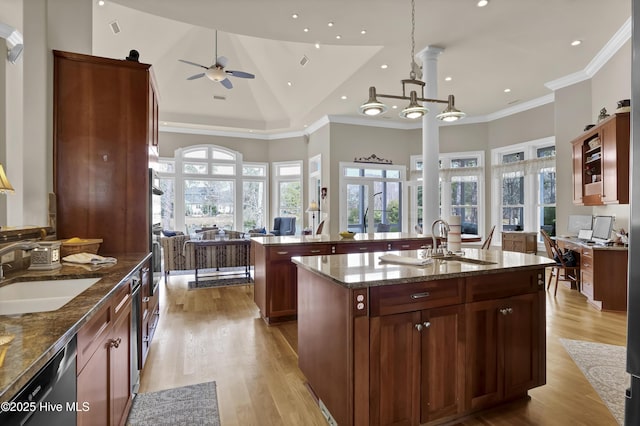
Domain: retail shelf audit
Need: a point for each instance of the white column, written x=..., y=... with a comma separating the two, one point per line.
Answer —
x=430, y=138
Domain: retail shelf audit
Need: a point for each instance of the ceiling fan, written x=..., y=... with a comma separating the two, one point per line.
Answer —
x=216, y=72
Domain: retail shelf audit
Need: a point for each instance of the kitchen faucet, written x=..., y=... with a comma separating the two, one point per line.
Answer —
x=433, y=234
x=20, y=245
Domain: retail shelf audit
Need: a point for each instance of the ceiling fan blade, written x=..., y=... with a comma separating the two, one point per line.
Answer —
x=226, y=83
x=193, y=63
x=222, y=61
x=193, y=77
x=241, y=74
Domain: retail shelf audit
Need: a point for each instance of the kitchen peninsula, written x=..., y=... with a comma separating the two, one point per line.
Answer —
x=275, y=275
x=384, y=343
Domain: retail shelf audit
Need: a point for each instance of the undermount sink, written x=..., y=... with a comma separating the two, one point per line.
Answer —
x=41, y=296
x=454, y=258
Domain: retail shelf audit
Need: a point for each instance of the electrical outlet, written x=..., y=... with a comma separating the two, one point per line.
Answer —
x=9, y=257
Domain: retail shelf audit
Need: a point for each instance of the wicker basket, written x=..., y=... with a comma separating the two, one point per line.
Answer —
x=82, y=246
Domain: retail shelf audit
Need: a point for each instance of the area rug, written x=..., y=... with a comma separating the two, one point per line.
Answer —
x=187, y=405
x=604, y=366
x=219, y=282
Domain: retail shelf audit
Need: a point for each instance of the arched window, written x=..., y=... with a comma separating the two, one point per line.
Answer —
x=208, y=185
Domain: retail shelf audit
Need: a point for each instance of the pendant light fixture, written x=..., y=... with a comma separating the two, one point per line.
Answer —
x=414, y=110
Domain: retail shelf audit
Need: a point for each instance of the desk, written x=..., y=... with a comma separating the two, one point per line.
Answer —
x=603, y=273
x=221, y=253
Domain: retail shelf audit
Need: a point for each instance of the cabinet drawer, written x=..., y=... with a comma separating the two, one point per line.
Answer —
x=586, y=260
x=287, y=252
x=586, y=283
x=410, y=245
x=121, y=298
x=92, y=334
x=497, y=286
x=392, y=299
x=361, y=247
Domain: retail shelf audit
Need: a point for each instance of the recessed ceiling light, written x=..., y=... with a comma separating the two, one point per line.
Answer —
x=576, y=42
x=289, y=83
x=363, y=32
x=306, y=30
x=395, y=107
x=338, y=37
x=330, y=24
x=483, y=3
x=101, y=2
x=384, y=66
x=448, y=78
x=317, y=45
x=343, y=97
x=305, y=126
x=507, y=90
x=164, y=123
x=295, y=16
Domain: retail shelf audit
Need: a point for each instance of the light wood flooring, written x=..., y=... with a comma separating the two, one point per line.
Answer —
x=217, y=334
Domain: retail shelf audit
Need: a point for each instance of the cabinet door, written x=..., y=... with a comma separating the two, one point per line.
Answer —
x=282, y=297
x=484, y=384
x=93, y=387
x=519, y=326
x=395, y=369
x=120, y=356
x=442, y=378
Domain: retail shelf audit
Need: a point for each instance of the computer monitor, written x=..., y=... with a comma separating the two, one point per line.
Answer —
x=602, y=227
x=578, y=222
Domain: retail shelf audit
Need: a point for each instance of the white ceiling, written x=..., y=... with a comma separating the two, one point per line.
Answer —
x=517, y=44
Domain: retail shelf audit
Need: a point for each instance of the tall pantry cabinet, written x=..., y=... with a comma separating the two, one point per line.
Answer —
x=105, y=137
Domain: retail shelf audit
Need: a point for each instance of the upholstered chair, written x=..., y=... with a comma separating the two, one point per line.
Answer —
x=284, y=226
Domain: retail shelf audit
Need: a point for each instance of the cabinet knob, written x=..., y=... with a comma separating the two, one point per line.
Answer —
x=145, y=299
x=426, y=324
x=418, y=327
x=115, y=343
x=504, y=311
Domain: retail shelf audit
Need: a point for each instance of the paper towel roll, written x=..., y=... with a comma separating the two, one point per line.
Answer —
x=455, y=220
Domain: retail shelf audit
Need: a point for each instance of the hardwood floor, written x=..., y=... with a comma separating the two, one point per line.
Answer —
x=217, y=334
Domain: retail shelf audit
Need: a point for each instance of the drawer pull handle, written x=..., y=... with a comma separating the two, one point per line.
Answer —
x=405, y=246
x=315, y=251
x=283, y=252
x=362, y=248
x=415, y=296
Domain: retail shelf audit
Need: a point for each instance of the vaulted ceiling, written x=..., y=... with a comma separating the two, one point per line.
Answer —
x=509, y=44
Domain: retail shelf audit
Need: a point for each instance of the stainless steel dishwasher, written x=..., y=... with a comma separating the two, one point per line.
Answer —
x=49, y=399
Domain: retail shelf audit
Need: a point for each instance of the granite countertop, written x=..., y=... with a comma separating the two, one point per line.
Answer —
x=273, y=240
x=38, y=336
x=361, y=270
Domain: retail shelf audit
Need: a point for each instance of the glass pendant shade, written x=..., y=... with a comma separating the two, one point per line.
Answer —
x=414, y=110
x=372, y=107
x=450, y=113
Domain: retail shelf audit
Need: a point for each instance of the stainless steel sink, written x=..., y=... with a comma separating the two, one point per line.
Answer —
x=454, y=258
x=41, y=296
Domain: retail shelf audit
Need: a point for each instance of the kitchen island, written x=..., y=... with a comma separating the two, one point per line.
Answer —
x=275, y=275
x=384, y=343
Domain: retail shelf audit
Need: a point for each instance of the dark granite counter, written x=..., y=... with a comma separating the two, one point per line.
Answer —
x=359, y=270
x=38, y=336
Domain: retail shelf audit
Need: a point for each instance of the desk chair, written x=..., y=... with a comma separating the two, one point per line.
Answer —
x=561, y=270
x=487, y=242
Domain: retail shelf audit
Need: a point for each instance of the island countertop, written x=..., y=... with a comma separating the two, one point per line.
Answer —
x=360, y=270
x=273, y=240
x=38, y=336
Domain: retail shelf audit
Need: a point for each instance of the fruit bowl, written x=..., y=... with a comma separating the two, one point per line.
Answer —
x=347, y=234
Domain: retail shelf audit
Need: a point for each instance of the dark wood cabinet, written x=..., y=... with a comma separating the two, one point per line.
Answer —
x=105, y=135
x=601, y=163
x=103, y=363
x=149, y=312
x=504, y=349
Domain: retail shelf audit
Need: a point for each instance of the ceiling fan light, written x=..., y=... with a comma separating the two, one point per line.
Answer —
x=414, y=110
x=216, y=74
x=372, y=107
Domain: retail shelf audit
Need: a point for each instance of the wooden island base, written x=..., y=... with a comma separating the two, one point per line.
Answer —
x=421, y=352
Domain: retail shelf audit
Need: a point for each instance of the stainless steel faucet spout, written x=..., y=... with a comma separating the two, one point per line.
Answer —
x=445, y=225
